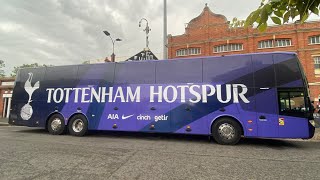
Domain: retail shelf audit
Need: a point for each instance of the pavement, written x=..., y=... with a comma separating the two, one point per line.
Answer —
x=32, y=153
x=4, y=122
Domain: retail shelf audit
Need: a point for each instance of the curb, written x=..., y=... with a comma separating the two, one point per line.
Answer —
x=4, y=124
x=315, y=137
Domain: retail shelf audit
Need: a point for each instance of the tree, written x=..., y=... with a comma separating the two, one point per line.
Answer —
x=86, y=62
x=16, y=68
x=280, y=11
x=236, y=23
x=2, y=65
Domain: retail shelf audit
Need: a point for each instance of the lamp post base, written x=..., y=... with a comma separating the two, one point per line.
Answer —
x=113, y=57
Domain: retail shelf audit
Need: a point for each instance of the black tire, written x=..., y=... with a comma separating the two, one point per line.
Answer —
x=78, y=125
x=229, y=133
x=56, y=125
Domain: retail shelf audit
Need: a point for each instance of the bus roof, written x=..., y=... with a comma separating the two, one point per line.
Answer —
x=189, y=58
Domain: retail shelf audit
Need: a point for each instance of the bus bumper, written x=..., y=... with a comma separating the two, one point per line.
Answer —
x=12, y=119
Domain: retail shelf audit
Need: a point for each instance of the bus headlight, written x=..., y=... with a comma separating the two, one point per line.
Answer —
x=312, y=122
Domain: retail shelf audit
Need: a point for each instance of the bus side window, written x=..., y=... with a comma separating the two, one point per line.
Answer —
x=235, y=69
x=264, y=71
x=291, y=103
x=94, y=74
x=135, y=73
x=55, y=75
x=287, y=71
x=179, y=71
x=284, y=101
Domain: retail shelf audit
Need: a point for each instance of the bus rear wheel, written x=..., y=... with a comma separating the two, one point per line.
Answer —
x=56, y=124
x=226, y=131
x=78, y=125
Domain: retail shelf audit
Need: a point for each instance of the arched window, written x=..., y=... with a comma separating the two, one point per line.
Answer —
x=228, y=48
x=188, y=51
x=316, y=60
x=314, y=39
x=283, y=42
x=270, y=43
x=265, y=44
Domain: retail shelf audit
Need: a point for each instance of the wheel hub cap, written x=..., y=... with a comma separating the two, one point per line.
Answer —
x=77, y=125
x=226, y=131
x=56, y=124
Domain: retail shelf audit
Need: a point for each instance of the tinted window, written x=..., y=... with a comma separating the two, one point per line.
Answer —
x=179, y=71
x=287, y=71
x=61, y=73
x=135, y=73
x=264, y=70
x=61, y=76
x=93, y=74
x=292, y=103
x=229, y=69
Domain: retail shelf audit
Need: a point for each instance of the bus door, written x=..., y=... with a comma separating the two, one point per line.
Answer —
x=292, y=113
x=267, y=115
x=265, y=95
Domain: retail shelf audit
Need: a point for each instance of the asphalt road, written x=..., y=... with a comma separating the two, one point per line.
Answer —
x=28, y=153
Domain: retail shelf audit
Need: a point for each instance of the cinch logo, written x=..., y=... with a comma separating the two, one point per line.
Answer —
x=26, y=110
x=156, y=118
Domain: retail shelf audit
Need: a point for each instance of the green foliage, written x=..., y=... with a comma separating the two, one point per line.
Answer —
x=2, y=65
x=280, y=11
x=237, y=23
x=34, y=65
x=86, y=62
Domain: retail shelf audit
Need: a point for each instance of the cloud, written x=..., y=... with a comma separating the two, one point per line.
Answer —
x=69, y=32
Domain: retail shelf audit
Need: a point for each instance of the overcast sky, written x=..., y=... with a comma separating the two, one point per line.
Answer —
x=62, y=32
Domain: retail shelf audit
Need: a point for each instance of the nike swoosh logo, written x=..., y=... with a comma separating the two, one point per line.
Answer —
x=126, y=117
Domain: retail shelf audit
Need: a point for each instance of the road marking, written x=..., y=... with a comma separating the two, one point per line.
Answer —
x=126, y=117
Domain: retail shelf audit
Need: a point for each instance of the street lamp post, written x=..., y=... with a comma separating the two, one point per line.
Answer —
x=113, y=56
x=165, y=40
x=147, y=30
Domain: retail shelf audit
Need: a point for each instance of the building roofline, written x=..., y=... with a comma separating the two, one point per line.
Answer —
x=206, y=8
x=266, y=32
x=231, y=55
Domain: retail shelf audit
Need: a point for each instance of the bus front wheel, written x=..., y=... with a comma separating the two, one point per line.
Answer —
x=78, y=125
x=226, y=131
x=56, y=125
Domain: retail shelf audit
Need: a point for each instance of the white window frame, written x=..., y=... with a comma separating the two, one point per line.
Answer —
x=188, y=52
x=181, y=52
x=194, y=51
x=316, y=60
x=228, y=48
x=314, y=39
x=283, y=42
x=264, y=44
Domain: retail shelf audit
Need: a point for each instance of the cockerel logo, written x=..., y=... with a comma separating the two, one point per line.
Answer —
x=27, y=111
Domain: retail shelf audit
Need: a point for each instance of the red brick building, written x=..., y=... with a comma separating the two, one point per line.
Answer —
x=6, y=87
x=209, y=34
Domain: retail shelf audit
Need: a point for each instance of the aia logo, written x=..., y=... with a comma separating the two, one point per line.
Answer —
x=26, y=110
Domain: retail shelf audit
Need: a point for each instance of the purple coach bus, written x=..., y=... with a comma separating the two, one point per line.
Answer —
x=251, y=95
